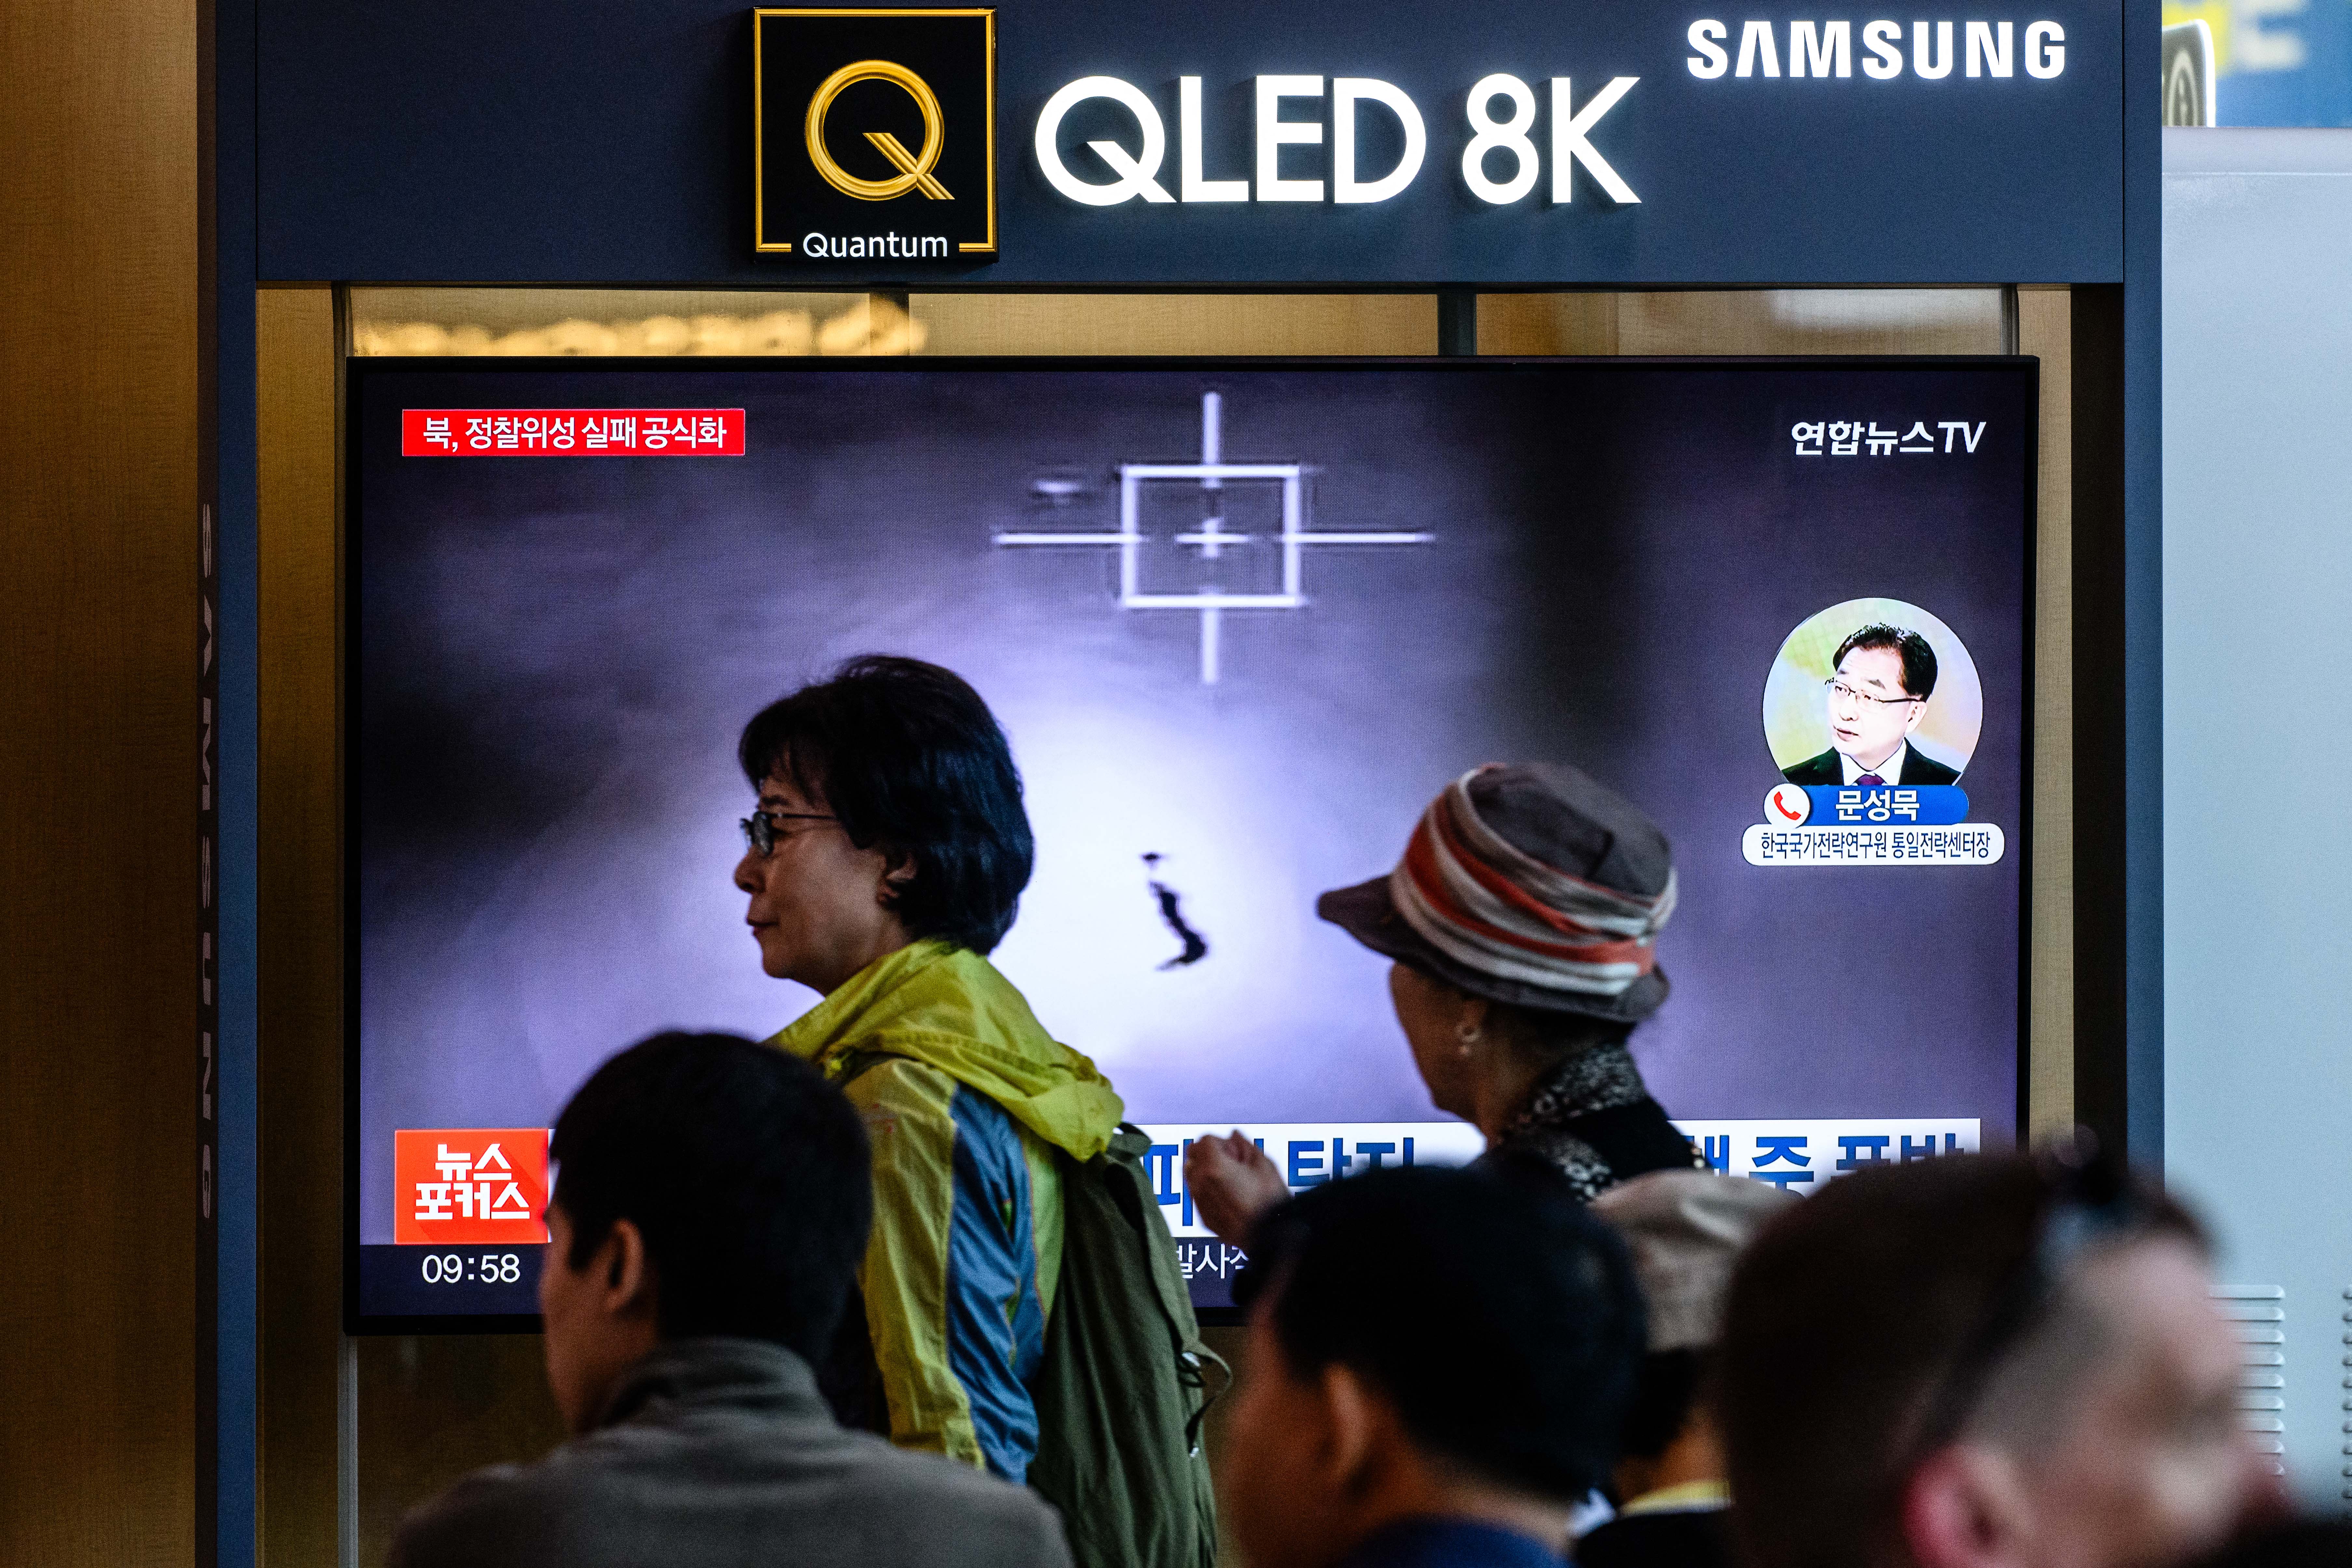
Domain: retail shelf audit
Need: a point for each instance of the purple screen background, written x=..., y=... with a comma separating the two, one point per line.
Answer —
x=552, y=658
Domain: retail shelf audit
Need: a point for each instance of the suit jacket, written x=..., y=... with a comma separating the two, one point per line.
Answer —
x=1683, y=1538
x=1439, y=1542
x=1918, y=768
x=718, y=1453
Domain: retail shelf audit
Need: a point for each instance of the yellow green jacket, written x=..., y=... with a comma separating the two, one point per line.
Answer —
x=967, y=1243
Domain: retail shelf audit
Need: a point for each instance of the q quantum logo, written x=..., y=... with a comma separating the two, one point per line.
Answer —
x=874, y=134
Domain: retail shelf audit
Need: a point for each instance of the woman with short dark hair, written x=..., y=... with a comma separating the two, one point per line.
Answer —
x=884, y=861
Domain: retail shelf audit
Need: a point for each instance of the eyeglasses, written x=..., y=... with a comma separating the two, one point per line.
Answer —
x=2088, y=1199
x=760, y=828
x=1840, y=688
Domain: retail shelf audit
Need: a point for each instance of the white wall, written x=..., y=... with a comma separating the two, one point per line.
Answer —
x=2257, y=754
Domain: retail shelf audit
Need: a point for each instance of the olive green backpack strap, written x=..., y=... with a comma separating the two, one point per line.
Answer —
x=1122, y=1388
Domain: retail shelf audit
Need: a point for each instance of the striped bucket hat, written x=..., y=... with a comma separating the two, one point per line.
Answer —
x=1526, y=884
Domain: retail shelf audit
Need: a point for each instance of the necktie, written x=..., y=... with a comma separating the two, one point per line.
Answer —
x=1871, y=781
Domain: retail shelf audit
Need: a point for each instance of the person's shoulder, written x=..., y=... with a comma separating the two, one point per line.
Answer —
x=944, y=1512
x=848, y=1497
x=1821, y=770
x=893, y=1086
x=1919, y=768
x=509, y=1515
x=557, y=1509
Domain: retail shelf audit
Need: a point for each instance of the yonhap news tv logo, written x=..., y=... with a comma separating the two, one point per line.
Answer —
x=874, y=133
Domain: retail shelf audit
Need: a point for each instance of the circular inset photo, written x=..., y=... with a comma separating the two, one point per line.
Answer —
x=1873, y=691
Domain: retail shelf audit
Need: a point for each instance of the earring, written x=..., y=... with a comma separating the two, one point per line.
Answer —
x=1468, y=1034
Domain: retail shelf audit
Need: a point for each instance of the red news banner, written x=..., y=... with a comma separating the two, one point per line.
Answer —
x=571, y=432
x=469, y=1184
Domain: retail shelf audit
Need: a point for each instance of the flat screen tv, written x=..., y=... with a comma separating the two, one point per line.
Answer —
x=1241, y=620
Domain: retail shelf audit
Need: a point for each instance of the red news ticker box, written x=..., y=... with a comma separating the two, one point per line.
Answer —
x=466, y=1184
x=571, y=432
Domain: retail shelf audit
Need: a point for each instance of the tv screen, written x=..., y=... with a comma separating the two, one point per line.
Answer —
x=1241, y=621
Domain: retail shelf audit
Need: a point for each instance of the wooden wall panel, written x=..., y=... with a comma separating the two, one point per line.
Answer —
x=1744, y=321
x=300, y=926
x=99, y=781
x=628, y=322
x=2044, y=329
x=1177, y=323
x=1548, y=323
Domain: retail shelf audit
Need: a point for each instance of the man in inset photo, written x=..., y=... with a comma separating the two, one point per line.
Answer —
x=1877, y=698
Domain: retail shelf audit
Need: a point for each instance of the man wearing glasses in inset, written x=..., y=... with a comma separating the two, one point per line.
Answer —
x=1877, y=698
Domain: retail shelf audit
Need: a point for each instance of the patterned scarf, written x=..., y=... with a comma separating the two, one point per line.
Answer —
x=1599, y=1079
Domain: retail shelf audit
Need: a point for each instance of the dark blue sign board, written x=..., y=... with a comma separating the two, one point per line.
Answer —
x=1197, y=145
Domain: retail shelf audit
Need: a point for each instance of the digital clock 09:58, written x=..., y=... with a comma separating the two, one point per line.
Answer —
x=482, y=1267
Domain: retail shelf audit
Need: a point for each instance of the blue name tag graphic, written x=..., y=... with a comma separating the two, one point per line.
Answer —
x=1925, y=805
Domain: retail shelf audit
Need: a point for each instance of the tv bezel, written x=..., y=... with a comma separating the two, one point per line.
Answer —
x=359, y=370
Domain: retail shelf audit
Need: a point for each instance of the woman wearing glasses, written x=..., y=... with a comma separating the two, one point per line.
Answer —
x=884, y=859
x=1877, y=698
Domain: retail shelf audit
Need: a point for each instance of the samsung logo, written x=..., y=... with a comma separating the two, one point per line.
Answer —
x=1828, y=49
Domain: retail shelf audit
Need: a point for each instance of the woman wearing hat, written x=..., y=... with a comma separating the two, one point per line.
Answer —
x=1522, y=922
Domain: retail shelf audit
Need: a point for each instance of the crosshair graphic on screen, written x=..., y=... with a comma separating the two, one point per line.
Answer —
x=1212, y=539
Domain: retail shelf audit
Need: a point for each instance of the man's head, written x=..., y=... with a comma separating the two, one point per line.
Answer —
x=1426, y=1342
x=704, y=1185
x=1884, y=676
x=1983, y=1363
x=891, y=812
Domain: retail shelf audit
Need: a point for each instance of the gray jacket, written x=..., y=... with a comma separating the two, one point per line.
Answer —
x=720, y=1453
